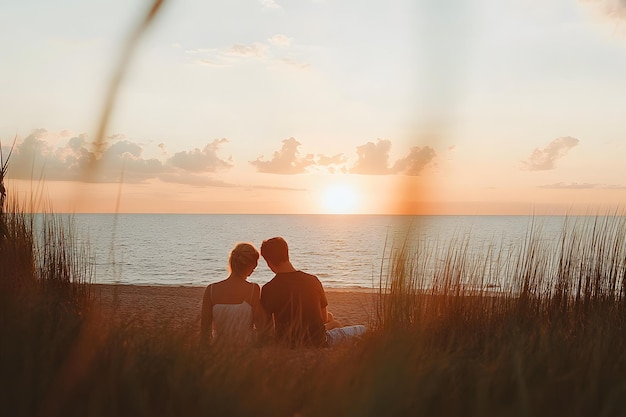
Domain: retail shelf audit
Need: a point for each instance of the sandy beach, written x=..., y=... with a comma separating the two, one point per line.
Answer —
x=180, y=305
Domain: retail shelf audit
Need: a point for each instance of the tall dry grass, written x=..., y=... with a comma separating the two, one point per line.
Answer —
x=585, y=269
x=44, y=297
x=549, y=340
x=447, y=341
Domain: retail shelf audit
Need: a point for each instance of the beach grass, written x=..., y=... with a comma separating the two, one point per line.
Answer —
x=548, y=340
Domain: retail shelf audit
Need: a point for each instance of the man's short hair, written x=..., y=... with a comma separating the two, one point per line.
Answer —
x=275, y=250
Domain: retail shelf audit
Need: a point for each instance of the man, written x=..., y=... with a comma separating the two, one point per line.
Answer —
x=294, y=299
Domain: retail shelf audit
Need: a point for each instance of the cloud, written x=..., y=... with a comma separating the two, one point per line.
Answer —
x=415, y=162
x=373, y=158
x=29, y=155
x=294, y=64
x=269, y=4
x=331, y=160
x=205, y=160
x=125, y=157
x=34, y=158
x=581, y=186
x=206, y=62
x=194, y=179
x=334, y=164
x=610, y=13
x=614, y=9
x=275, y=53
x=545, y=159
x=228, y=56
x=280, y=40
x=569, y=186
x=286, y=161
x=204, y=181
x=253, y=50
x=272, y=187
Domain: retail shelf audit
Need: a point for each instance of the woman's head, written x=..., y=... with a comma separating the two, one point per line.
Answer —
x=243, y=259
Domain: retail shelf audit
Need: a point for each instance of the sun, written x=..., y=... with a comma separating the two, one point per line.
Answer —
x=340, y=199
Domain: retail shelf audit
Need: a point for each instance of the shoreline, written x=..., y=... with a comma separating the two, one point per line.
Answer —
x=182, y=304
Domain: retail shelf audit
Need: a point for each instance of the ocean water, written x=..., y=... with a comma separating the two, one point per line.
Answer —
x=344, y=251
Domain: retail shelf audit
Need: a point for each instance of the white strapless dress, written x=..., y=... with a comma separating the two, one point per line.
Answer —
x=233, y=322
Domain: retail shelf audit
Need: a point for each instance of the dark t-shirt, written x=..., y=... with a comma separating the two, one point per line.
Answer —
x=296, y=300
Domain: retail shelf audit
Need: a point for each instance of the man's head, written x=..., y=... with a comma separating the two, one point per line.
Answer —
x=275, y=251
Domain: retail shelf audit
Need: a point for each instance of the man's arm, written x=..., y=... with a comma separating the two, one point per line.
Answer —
x=265, y=327
x=323, y=301
x=325, y=315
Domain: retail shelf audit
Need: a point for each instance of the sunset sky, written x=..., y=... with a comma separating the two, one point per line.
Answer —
x=318, y=106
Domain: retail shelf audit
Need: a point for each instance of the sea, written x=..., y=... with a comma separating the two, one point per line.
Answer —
x=343, y=251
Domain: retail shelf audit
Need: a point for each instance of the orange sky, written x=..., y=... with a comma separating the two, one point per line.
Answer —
x=508, y=107
x=400, y=199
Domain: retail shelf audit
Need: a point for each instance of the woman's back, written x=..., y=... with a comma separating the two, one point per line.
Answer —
x=233, y=321
x=232, y=310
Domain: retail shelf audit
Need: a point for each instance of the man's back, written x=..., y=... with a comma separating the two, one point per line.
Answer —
x=296, y=300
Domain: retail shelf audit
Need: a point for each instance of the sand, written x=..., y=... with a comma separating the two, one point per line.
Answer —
x=180, y=305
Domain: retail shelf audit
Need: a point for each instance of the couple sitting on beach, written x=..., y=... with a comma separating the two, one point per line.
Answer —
x=293, y=304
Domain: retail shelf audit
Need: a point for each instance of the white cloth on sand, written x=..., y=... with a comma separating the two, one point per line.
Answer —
x=342, y=334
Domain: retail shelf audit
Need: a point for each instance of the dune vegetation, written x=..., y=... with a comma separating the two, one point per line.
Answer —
x=443, y=341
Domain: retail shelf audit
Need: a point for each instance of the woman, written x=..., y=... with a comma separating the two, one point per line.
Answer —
x=231, y=309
